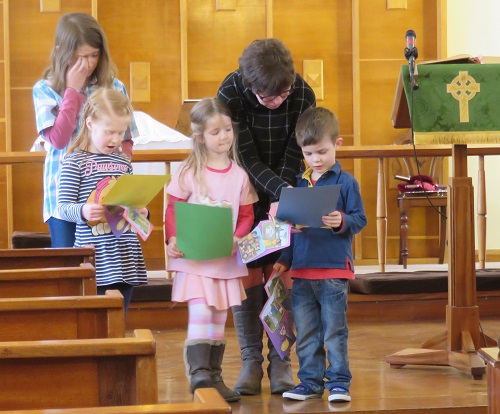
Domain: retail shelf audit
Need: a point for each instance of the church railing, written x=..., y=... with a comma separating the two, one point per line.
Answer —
x=378, y=152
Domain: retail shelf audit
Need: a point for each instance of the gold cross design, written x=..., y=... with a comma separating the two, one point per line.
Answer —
x=463, y=88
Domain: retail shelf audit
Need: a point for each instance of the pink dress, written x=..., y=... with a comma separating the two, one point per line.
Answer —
x=219, y=281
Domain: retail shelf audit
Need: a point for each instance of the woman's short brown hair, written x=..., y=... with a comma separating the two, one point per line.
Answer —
x=267, y=67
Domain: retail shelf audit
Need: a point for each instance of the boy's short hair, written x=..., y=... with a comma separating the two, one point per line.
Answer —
x=266, y=66
x=314, y=124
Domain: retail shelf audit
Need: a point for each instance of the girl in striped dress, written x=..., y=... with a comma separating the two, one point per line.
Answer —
x=94, y=162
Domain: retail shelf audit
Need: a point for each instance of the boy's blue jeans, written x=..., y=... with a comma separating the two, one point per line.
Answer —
x=319, y=310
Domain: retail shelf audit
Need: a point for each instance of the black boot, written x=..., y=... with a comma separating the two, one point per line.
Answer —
x=197, y=358
x=249, y=330
x=216, y=357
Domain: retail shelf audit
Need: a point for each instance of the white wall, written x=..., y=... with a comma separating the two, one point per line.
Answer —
x=473, y=29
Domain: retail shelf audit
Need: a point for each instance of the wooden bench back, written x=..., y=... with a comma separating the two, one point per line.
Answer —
x=39, y=258
x=58, y=281
x=67, y=317
x=206, y=401
x=79, y=372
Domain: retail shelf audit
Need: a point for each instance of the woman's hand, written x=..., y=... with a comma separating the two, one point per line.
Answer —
x=172, y=250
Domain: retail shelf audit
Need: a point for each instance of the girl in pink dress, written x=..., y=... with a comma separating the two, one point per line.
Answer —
x=210, y=176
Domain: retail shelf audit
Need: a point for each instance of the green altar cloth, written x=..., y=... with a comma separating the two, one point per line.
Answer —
x=455, y=103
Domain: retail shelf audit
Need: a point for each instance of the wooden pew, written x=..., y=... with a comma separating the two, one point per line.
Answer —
x=206, y=401
x=68, y=317
x=57, y=281
x=39, y=258
x=79, y=372
x=492, y=358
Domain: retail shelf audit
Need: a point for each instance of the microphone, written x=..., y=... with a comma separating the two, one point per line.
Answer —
x=411, y=54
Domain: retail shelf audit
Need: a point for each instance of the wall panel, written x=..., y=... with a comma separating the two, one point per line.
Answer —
x=4, y=170
x=216, y=40
x=32, y=36
x=27, y=193
x=381, y=43
x=23, y=119
x=147, y=31
x=2, y=102
x=321, y=30
x=383, y=31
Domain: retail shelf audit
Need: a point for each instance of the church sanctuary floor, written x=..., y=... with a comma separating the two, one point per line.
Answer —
x=376, y=387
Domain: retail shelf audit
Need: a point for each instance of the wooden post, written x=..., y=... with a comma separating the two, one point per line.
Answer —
x=481, y=213
x=381, y=215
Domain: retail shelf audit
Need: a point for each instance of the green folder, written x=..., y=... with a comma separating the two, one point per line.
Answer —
x=203, y=232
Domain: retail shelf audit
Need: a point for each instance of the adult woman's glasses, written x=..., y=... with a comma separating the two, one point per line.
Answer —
x=268, y=99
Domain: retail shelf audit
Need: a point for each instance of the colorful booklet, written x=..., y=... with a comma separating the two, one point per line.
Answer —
x=267, y=237
x=276, y=316
x=123, y=197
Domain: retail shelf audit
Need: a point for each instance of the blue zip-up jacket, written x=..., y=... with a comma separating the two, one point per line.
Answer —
x=326, y=247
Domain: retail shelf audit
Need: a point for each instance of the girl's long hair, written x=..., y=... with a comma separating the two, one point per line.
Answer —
x=101, y=104
x=73, y=31
x=201, y=112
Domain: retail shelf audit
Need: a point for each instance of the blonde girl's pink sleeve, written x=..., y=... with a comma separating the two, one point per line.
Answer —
x=248, y=193
x=174, y=187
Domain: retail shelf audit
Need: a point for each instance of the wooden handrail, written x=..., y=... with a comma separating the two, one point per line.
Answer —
x=344, y=152
x=379, y=152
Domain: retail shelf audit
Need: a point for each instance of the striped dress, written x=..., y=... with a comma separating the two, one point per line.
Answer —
x=86, y=178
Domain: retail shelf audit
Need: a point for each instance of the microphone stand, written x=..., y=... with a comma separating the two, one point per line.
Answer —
x=411, y=55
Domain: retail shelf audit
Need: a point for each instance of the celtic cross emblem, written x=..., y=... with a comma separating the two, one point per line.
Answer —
x=463, y=88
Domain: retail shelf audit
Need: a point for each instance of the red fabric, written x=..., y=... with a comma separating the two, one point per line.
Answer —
x=170, y=217
x=245, y=221
x=322, y=274
x=59, y=134
x=127, y=148
x=418, y=183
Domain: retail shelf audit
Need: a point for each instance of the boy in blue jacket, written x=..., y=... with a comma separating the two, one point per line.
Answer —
x=321, y=265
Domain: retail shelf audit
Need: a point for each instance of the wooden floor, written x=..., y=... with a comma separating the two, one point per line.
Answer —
x=376, y=388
